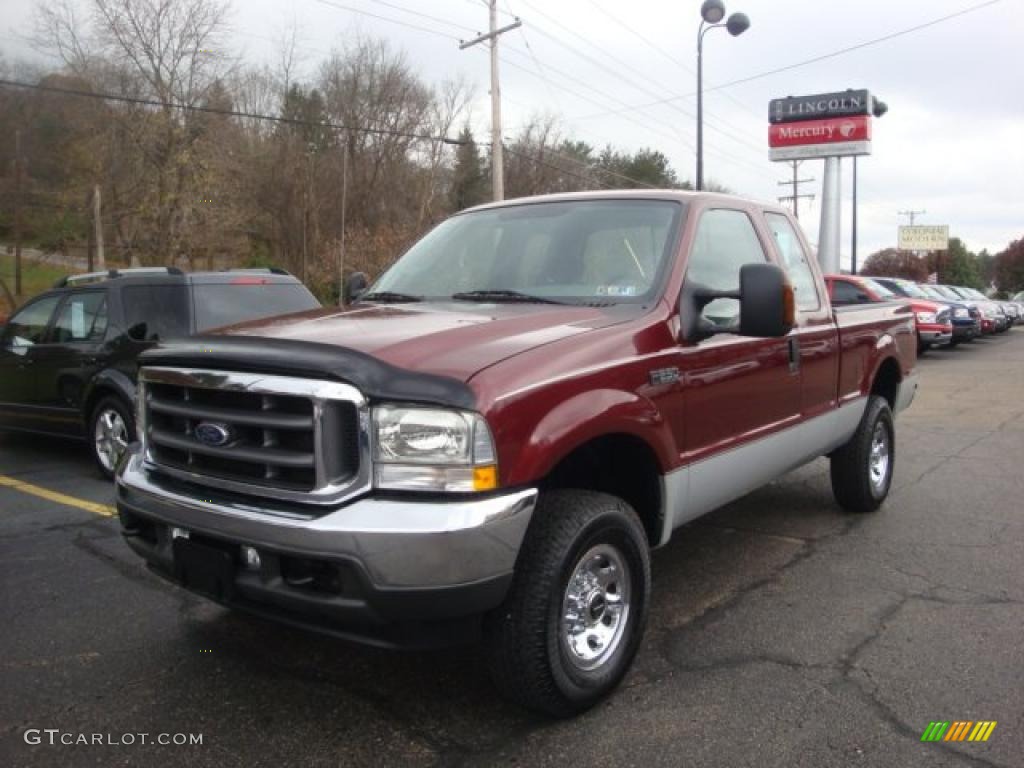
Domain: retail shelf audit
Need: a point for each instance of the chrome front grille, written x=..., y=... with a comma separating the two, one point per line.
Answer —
x=943, y=316
x=288, y=438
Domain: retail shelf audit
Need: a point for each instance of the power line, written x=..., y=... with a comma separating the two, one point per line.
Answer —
x=678, y=62
x=225, y=112
x=824, y=56
x=427, y=16
x=617, y=73
x=387, y=19
x=288, y=121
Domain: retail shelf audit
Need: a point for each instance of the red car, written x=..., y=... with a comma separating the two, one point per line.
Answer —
x=933, y=320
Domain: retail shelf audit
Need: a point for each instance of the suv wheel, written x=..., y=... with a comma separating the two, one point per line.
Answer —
x=862, y=469
x=111, y=429
x=575, y=614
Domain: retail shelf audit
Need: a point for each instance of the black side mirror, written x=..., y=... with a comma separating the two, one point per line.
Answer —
x=767, y=302
x=355, y=286
x=767, y=305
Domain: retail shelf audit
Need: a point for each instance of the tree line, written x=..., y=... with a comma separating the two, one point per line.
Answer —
x=208, y=162
x=955, y=266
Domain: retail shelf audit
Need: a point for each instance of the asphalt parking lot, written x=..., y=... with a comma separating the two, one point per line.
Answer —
x=783, y=633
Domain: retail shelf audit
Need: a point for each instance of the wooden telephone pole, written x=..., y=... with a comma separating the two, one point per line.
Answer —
x=796, y=182
x=19, y=190
x=497, y=150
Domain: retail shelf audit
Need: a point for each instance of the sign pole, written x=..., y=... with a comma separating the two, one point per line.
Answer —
x=828, y=233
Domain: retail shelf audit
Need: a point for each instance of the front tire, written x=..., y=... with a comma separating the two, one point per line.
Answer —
x=574, y=617
x=111, y=429
x=862, y=469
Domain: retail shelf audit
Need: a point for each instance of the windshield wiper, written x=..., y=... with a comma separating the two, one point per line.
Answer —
x=389, y=297
x=502, y=295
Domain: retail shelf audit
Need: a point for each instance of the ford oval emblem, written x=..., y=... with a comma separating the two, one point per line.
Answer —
x=212, y=433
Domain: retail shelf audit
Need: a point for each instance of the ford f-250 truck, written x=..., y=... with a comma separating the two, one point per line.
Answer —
x=488, y=442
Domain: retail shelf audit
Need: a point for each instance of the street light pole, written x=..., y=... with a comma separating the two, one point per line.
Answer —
x=712, y=12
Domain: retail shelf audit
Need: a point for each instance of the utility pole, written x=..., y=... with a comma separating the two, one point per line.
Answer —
x=497, y=153
x=97, y=223
x=912, y=215
x=18, y=191
x=344, y=208
x=796, y=182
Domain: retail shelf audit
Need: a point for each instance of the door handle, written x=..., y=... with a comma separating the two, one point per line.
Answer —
x=794, y=354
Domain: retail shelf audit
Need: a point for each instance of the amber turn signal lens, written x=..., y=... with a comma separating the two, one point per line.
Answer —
x=789, y=305
x=485, y=478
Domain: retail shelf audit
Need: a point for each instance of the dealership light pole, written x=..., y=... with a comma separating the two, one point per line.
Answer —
x=712, y=12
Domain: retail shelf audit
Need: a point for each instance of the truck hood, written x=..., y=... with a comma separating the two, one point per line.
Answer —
x=451, y=339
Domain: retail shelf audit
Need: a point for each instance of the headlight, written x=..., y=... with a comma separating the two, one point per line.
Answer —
x=926, y=317
x=962, y=312
x=432, y=449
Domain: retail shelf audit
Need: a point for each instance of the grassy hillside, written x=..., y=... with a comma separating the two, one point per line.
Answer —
x=36, y=277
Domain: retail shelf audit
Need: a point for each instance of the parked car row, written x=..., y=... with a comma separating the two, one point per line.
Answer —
x=943, y=314
x=68, y=358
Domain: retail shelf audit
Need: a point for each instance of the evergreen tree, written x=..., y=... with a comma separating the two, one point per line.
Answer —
x=469, y=182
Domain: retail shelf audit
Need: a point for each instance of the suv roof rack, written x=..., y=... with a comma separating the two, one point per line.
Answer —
x=111, y=274
x=259, y=270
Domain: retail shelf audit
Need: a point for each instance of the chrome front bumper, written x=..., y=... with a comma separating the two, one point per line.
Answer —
x=395, y=565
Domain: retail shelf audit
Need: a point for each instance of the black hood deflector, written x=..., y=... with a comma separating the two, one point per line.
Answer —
x=377, y=380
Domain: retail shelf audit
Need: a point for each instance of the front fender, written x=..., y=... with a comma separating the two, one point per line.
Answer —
x=109, y=380
x=587, y=416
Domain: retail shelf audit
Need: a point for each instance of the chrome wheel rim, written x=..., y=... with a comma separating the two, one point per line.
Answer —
x=595, y=608
x=880, y=457
x=110, y=438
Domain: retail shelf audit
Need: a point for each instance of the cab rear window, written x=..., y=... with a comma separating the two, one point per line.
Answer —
x=246, y=299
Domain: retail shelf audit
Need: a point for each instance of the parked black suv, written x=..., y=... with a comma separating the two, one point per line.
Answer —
x=68, y=357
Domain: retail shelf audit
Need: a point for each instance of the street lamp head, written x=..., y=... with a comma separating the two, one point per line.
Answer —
x=712, y=11
x=879, y=108
x=737, y=24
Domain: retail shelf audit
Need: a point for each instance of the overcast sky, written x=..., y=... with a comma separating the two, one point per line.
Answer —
x=952, y=143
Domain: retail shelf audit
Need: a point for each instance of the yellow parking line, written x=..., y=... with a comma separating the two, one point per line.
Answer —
x=45, y=493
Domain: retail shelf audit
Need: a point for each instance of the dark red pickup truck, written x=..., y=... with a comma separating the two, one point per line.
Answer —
x=488, y=443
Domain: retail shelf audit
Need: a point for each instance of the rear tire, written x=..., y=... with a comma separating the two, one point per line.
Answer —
x=572, y=622
x=111, y=429
x=862, y=469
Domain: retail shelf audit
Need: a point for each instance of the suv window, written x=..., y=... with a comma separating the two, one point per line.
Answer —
x=794, y=259
x=28, y=327
x=847, y=293
x=82, y=317
x=155, y=312
x=725, y=241
x=243, y=299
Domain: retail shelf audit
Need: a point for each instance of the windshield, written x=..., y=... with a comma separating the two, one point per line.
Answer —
x=244, y=299
x=932, y=292
x=576, y=251
x=910, y=289
x=878, y=289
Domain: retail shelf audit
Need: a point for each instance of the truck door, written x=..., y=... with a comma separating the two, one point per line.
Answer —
x=737, y=389
x=816, y=337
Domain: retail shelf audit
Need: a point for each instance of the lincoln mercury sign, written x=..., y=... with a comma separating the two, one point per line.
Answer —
x=923, y=238
x=823, y=125
x=841, y=104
